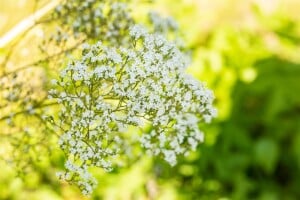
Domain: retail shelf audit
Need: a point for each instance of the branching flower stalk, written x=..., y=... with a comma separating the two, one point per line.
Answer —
x=127, y=76
x=139, y=84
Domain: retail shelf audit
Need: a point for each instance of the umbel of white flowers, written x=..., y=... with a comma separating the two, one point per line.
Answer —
x=109, y=89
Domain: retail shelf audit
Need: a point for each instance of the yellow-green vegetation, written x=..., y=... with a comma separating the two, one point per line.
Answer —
x=248, y=54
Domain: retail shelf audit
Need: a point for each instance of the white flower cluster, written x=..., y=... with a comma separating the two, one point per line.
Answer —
x=167, y=27
x=94, y=18
x=86, y=183
x=111, y=88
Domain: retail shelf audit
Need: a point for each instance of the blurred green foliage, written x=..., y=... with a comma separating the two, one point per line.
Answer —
x=256, y=154
x=252, y=151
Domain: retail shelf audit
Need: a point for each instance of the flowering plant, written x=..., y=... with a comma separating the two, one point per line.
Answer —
x=124, y=84
x=141, y=84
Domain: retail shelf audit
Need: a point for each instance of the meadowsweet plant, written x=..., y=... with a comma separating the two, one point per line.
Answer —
x=126, y=76
x=111, y=88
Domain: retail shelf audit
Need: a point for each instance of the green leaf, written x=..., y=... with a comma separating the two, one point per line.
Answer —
x=266, y=154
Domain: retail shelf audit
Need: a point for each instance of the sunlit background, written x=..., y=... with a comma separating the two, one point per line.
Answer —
x=248, y=53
